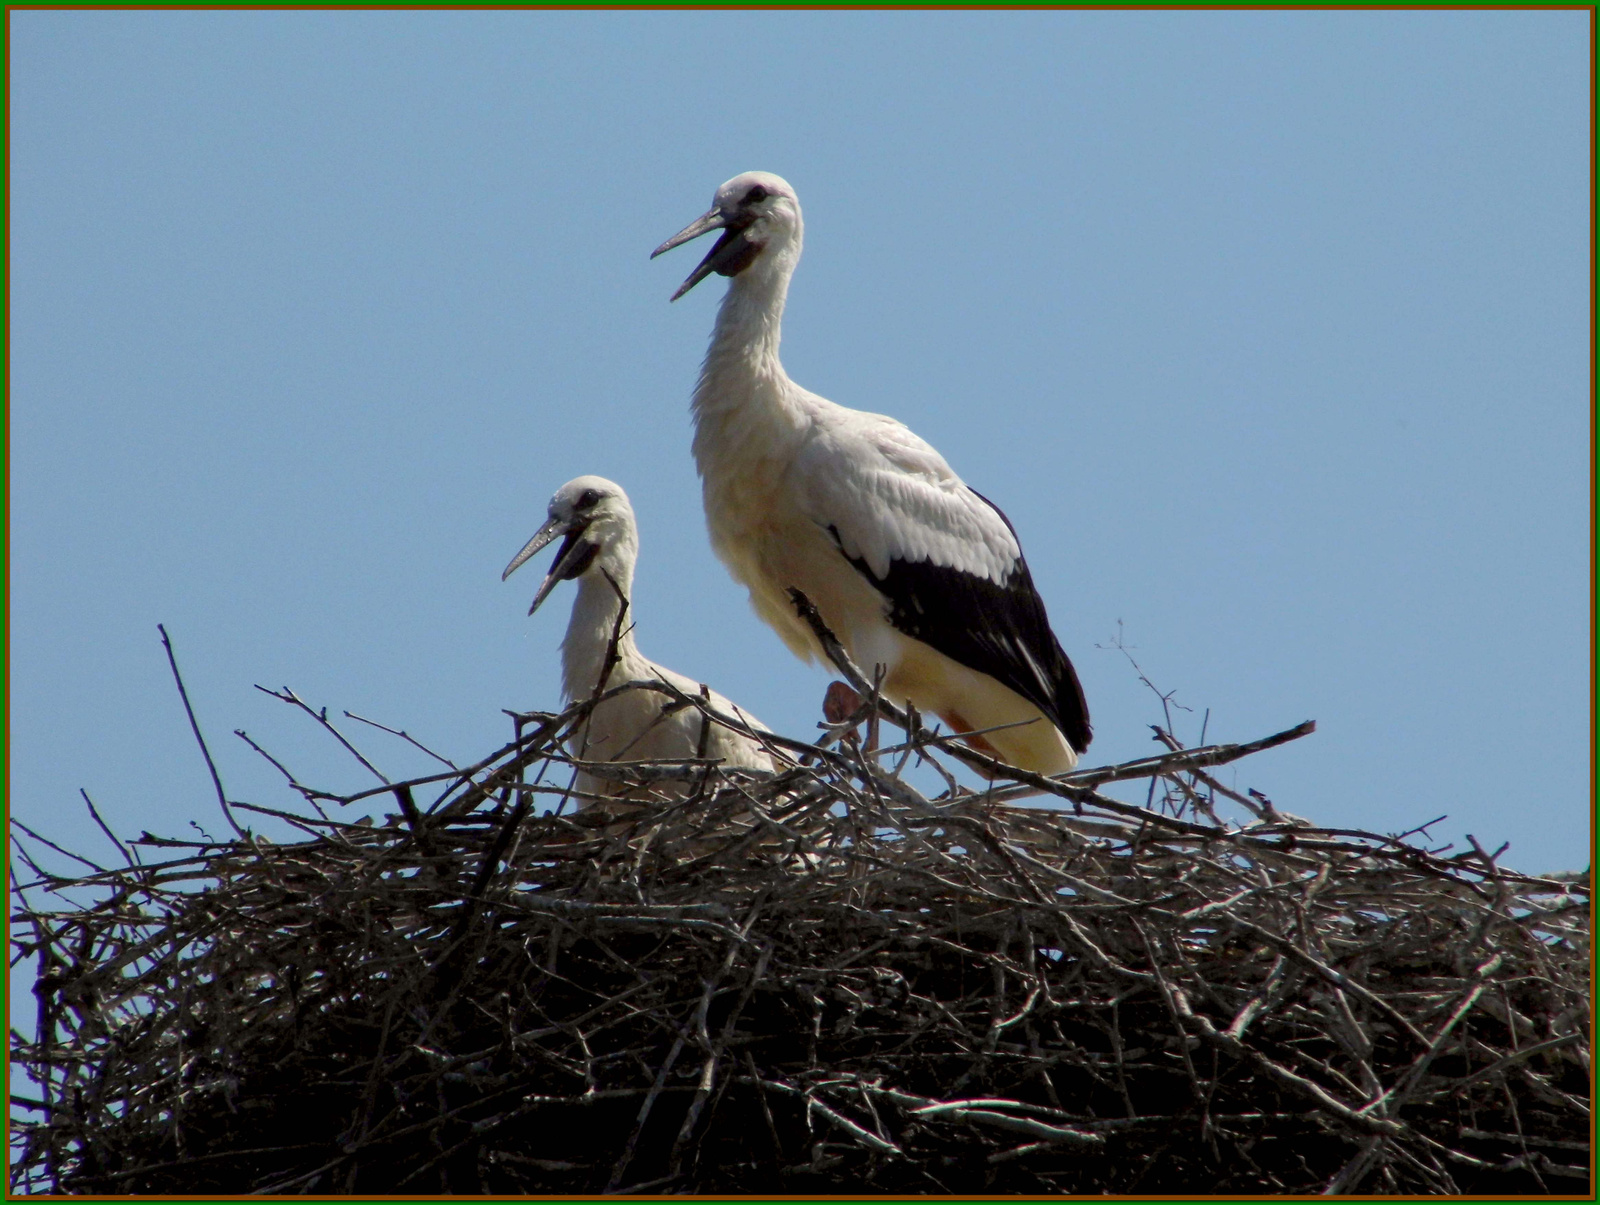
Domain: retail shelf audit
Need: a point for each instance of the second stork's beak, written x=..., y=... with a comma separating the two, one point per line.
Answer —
x=730, y=249
x=572, y=559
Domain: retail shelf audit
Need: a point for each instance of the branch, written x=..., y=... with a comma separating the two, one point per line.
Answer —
x=216, y=778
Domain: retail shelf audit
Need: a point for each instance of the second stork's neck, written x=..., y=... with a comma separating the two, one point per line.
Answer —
x=595, y=623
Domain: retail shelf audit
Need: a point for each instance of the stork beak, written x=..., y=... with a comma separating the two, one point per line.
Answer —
x=732, y=253
x=711, y=219
x=572, y=559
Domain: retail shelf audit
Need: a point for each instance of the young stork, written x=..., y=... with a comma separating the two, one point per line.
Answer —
x=600, y=548
x=910, y=567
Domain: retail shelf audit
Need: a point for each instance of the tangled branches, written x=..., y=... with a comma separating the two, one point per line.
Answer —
x=827, y=980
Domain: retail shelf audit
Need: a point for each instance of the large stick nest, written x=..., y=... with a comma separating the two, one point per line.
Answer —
x=827, y=981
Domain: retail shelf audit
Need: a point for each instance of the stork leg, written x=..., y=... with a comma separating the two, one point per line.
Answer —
x=840, y=703
x=959, y=726
x=843, y=701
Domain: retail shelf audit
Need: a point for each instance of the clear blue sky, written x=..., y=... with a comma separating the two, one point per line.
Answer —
x=1269, y=330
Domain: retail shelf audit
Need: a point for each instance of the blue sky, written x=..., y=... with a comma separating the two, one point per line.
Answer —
x=1269, y=331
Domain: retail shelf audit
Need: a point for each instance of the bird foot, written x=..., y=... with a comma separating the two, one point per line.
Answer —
x=843, y=703
x=840, y=703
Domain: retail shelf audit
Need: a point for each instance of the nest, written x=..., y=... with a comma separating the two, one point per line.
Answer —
x=827, y=981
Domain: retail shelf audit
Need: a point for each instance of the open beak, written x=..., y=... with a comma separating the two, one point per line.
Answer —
x=572, y=558
x=733, y=251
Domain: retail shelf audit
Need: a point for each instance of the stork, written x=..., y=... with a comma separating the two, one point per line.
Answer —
x=600, y=548
x=914, y=570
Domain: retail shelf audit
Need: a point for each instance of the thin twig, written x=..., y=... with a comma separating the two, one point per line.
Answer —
x=194, y=724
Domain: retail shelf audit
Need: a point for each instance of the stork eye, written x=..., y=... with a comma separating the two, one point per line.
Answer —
x=757, y=193
x=587, y=499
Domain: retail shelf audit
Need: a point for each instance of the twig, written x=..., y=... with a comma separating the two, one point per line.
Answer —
x=94, y=866
x=194, y=724
x=106, y=829
x=405, y=736
x=288, y=696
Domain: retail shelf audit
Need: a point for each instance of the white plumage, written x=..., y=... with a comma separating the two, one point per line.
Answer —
x=911, y=568
x=600, y=548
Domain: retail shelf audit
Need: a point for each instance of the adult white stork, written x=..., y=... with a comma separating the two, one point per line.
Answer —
x=600, y=548
x=911, y=568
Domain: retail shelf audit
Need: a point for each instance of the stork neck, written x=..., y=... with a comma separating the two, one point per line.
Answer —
x=589, y=633
x=744, y=348
x=742, y=371
x=750, y=318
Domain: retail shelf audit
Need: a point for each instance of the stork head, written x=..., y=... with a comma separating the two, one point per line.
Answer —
x=758, y=214
x=597, y=520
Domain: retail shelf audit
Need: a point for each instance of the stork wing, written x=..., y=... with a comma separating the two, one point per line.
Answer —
x=945, y=557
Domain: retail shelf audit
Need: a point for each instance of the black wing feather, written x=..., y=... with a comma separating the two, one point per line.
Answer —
x=1000, y=630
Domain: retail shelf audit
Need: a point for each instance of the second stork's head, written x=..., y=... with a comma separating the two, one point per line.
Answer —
x=759, y=217
x=601, y=537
